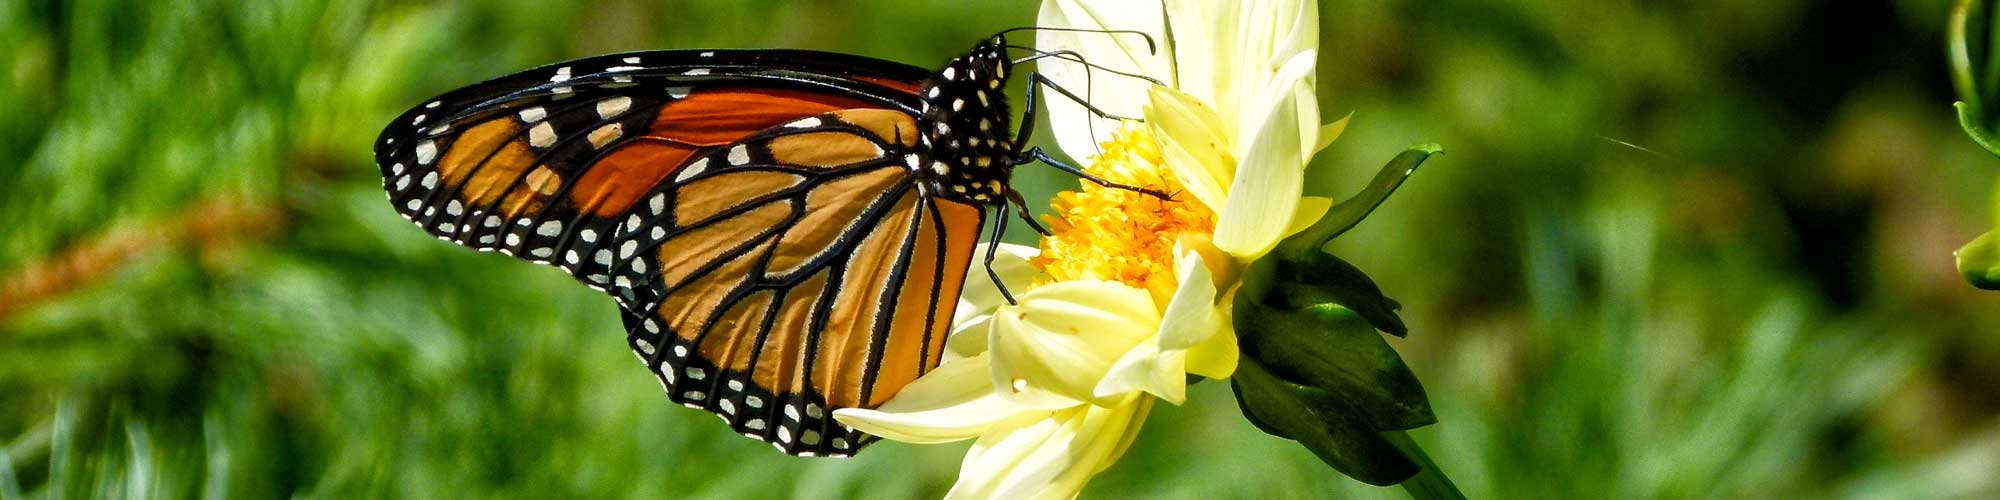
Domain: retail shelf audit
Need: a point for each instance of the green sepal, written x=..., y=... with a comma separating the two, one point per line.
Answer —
x=1349, y=212
x=1329, y=348
x=1318, y=420
x=1970, y=122
x=1326, y=279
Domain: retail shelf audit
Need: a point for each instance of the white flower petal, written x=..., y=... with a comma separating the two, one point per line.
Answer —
x=1049, y=457
x=1159, y=367
x=1216, y=357
x=1191, y=317
x=1331, y=132
x=1064, y=336
x=1252, y=41
x=979, y=298
x=953, y=402
x=1145, y=368
x=1194, y=143
x=1310, y=209
x=1272, y=173
x=1076, y=130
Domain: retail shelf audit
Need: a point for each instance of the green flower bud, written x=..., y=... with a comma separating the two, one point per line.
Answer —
x=1315, y=367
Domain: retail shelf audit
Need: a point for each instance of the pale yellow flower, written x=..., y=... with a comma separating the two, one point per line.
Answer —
x=1130, y=294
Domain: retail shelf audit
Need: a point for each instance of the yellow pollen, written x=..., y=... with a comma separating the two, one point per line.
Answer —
x=1115, y=234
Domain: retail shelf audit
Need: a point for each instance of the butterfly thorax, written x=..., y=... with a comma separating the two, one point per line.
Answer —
x=967, y=128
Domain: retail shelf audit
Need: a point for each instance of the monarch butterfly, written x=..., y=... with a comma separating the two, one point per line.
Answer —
x=785, y=232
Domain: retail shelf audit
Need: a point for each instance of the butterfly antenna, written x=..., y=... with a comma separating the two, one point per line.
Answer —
x=1151, y=48
x=1072, y=56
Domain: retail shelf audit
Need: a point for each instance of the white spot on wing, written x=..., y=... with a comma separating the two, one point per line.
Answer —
x=631, y=60
x=696, y=72
x=693, y=169
x=562, y=75
x=613, y=107
x=426, y=151
x=550, y=229
x=534, y=114
x=807, y=122
x=542, y=135
x=605, y=134
x=739, y=155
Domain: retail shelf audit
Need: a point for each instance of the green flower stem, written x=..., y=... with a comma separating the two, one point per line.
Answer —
x=1431, y=482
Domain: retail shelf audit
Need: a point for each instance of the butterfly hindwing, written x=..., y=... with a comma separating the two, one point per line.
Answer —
x=801, y=271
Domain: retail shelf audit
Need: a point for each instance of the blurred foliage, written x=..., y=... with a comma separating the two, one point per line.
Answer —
x=1679, y=249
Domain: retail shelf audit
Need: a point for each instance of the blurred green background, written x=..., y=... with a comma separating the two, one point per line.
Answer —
x=1683, y=249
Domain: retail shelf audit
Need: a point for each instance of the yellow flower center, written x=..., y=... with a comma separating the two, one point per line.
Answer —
x=1112, y=234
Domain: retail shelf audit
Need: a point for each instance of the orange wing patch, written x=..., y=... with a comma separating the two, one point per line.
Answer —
x=616, y=182
x=831, y=209
x=486, y=160
x=943, y=253
x=721, y=117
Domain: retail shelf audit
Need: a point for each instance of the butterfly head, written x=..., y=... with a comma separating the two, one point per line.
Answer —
x=967, y=125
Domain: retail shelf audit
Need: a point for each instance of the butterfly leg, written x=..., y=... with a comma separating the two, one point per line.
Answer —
x=993, y=247
x=1037, y=154
x=1015, y=198
x=1036, y=80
